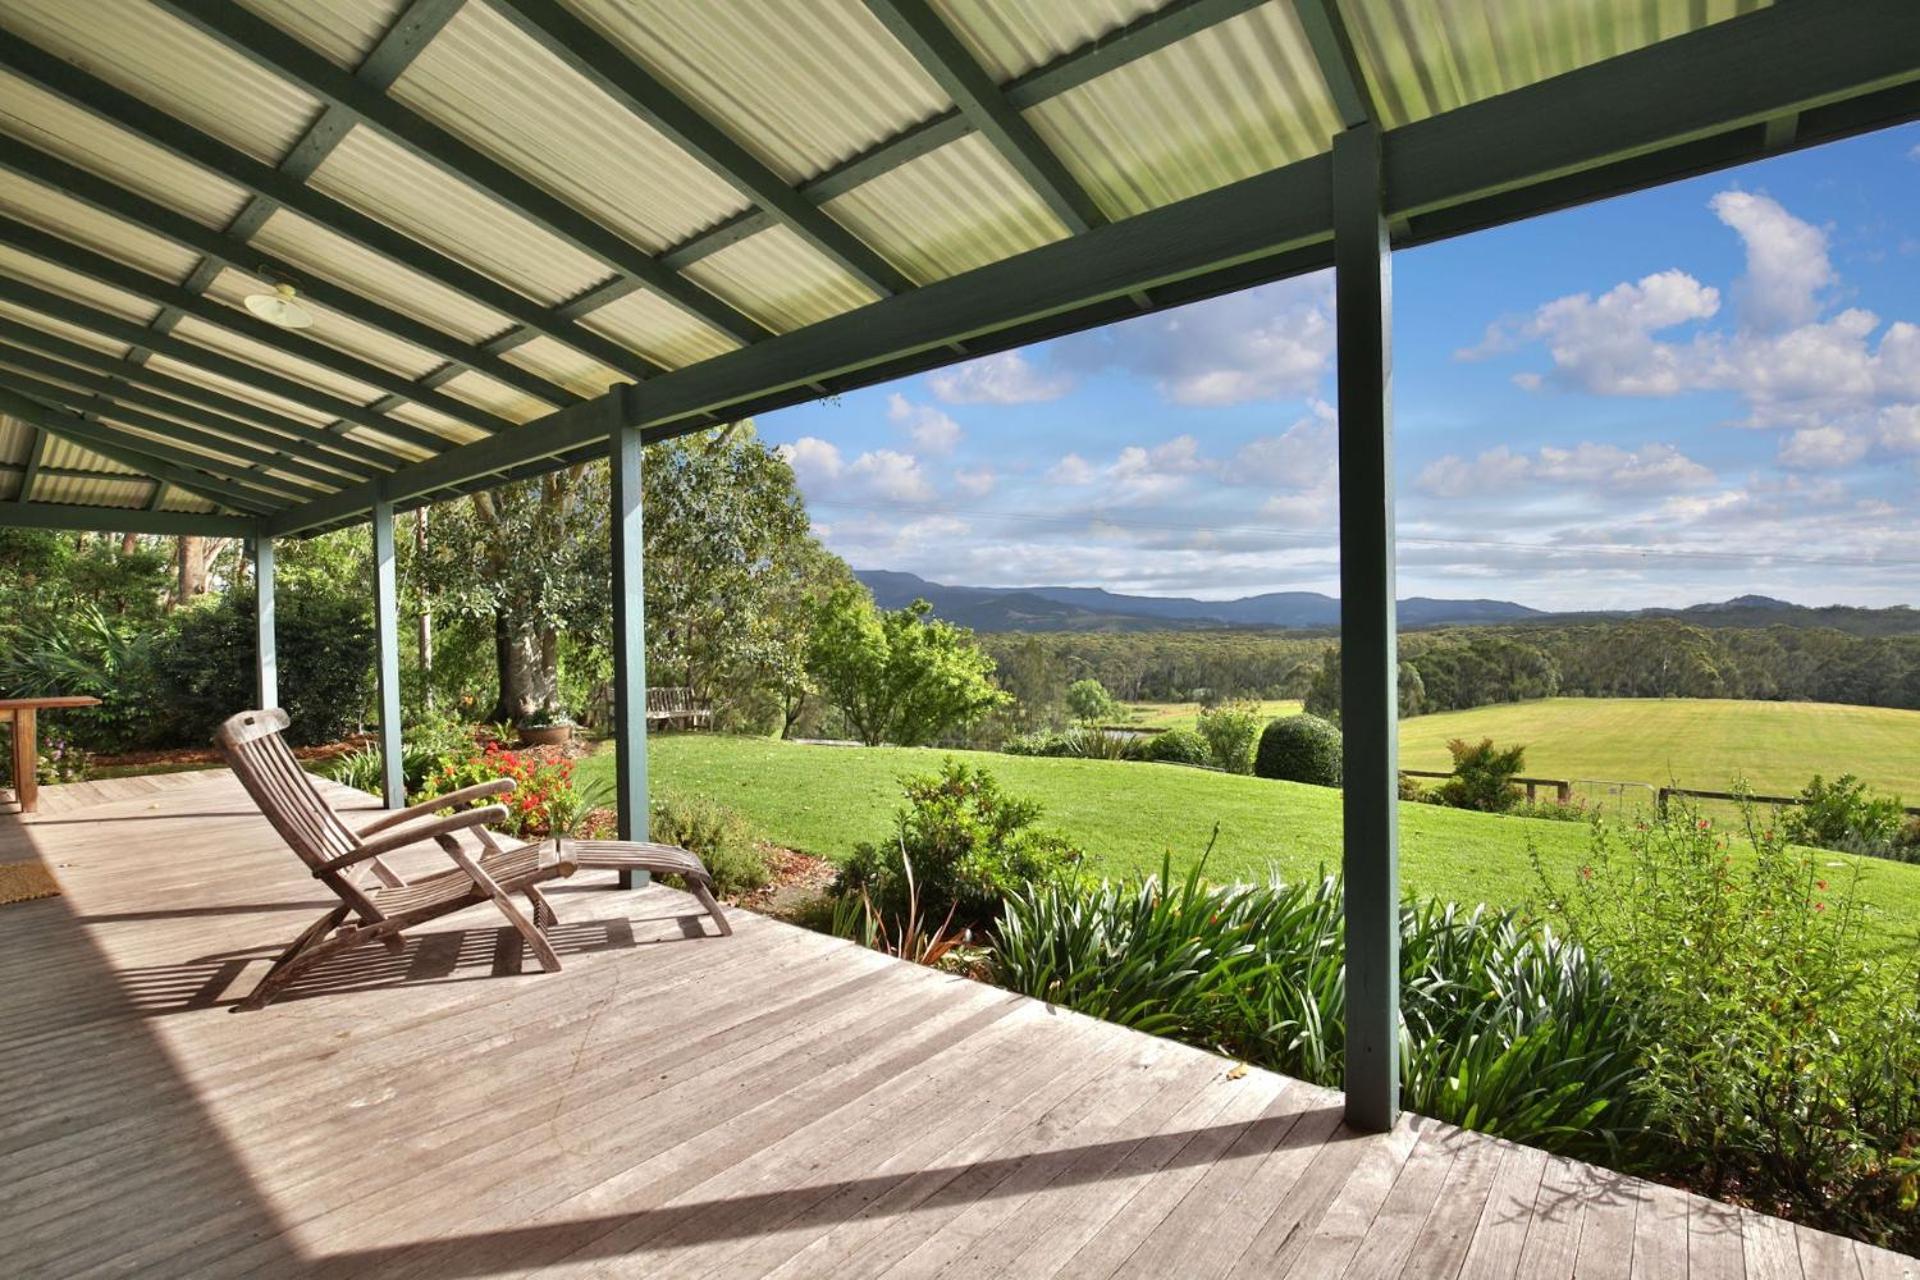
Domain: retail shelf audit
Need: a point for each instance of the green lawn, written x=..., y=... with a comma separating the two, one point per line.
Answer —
x=1692, y=742
x=1186, y=715
x=825, y=799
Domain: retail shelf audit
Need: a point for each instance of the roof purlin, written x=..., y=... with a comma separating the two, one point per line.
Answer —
x=289, y=58
x=126, y=451
x=131, y=334
x=624, y=80
x=181, y=396
x=176, y=136
x=105, y=270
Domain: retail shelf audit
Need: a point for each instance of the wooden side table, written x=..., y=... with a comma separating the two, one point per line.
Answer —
x=25, y=714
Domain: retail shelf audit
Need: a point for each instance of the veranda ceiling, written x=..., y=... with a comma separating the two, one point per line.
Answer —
x=499, y=210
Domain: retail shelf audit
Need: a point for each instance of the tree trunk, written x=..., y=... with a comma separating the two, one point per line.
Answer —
x=193, y=568
x=529, y=667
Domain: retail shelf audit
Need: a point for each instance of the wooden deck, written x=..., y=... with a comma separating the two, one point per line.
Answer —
x=776, y=1103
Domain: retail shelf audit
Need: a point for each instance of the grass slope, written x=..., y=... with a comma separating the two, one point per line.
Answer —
x=1694, y=742
x=824, y=800
x=1186, y=715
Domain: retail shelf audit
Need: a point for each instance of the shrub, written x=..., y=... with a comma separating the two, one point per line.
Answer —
x=1574, y=810
x=1089, y=701
x=61, y=761
x=1302, y=748
x=1080, y=742
x=1231, y=730
x=1410, y=789
x=1506, y=1026
x=1782, y=1059
x=1178, y=746
x=1482, y=776
x=969, y=844
x=204, y=666
x=1842, y=815
x=360, y=769
x=718, y=834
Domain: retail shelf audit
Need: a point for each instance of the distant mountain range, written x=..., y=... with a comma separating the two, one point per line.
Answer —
x=1097, y=609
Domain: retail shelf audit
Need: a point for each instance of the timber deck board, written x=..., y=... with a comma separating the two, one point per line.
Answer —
x=679, y=1104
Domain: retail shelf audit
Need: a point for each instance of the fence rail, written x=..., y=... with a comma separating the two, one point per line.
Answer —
x=1667, y=793
x=1562, y=789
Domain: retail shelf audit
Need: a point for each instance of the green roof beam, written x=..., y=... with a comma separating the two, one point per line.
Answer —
x=44, y=515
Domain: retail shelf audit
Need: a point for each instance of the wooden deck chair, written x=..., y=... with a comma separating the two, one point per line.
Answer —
x=290, y=800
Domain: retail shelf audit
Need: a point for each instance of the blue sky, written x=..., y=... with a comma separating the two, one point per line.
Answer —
x=1679, y=395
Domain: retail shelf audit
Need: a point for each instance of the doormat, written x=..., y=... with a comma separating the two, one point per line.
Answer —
x=25, y=881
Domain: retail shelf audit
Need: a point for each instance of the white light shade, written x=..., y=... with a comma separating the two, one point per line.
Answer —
x=279, y=308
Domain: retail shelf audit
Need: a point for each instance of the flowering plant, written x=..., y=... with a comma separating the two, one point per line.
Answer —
x=543, y=800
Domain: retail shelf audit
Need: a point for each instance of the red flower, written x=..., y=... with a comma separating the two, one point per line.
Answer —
x=1586, y=873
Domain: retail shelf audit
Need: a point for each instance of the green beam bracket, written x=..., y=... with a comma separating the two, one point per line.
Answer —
x=625, y=450
x=1368, y=662
x=266, y=658
x=386, y=625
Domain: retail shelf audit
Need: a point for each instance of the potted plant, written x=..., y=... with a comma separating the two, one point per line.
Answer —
x=546, y=728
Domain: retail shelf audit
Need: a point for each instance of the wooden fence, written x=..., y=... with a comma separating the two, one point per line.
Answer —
x=1562, y=789
x=1667, y=793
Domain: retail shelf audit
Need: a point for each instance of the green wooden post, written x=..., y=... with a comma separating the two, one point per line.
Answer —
x=629, y=638
x=1368, y=697
x=266, y=659
x=386, y=625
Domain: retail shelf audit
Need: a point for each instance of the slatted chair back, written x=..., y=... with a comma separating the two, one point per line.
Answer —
x=286, y=793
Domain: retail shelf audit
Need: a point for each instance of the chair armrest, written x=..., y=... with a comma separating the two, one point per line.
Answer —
x=414, y=835
x=452, y=800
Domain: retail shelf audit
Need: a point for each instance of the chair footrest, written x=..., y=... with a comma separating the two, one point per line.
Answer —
x=632, y=855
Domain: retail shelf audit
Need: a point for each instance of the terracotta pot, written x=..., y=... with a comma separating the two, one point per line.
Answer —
x=546, y=735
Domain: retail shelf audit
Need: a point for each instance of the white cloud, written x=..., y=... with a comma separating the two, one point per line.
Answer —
x=1650, y=468
x=1005, y=378
x=1071, y=469
x=977, y=483
x=1822, y=447
x=1900, y=427
x=931, y=429
x=1787, y=263
x=1300, y=457
x=884, y=473
x=1267, y=343
x=891, y=474
x=814, y=461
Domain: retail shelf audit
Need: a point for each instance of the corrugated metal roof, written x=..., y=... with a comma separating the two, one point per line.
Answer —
x=496, y=396
x=260, y=354
x=558, y=362
x=384, y=179
x=172, y=499
x=1224, y=104
x=803, y=84
x=649, y=324
x=60, y=214
x=344, y=30
x=780, y=280
x=61, y=329
x=1423, y=57
x=74, y=286
x=153, y=55
x=419, y=416
x=949, y=211
x=77, y=491
x=1011, y=37
x=188, y=372
x=340, y=261
x=10, y=485
x=486, y=82
x=16, y=439
x=65, y=455
x=331, y=328
x=34, y=116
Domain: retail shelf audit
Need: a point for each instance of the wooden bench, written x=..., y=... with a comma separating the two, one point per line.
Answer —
x=677, y=708
x=25, y=715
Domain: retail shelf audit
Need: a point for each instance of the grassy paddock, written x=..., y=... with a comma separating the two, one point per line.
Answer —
x=823, y=800
x=1704, y=743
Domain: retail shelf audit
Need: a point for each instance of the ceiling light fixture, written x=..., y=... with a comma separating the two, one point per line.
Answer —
x=280, y=308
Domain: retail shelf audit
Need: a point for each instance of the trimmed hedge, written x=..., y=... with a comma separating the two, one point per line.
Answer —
x=1178, y=746
x=1302, y=748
